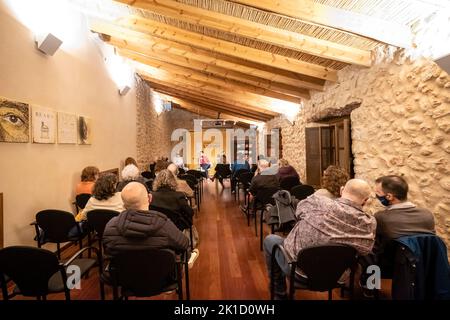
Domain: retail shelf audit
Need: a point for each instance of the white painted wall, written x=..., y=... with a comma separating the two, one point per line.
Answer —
x=75, y=80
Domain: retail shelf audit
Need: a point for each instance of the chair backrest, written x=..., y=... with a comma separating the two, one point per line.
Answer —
x=223, y=169
x=148, y=174
x=149, y=184
x=245, y=177
x=264, y=195
x=56, y=224
x=82, y=199
x=239, y=172
x=190, y=179
x=288, y=183
x=325, y=264
x=98, y=218
x=302, y=192
x=30, y=268
x=196, y=173
x=144, y=273
x=421, y=269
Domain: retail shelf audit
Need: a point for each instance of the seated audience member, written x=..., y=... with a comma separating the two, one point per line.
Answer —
x=153, y=164
x=103, y=197
x=166, y=196
x=138, y=228
x=321, y=221
x=178, y=161
x=240, y=164
x=88, y=177
x=400, y=218
x=130, y=173
x=222, y=170
x=272, y=169
x=286, y=170
x=205, y=164
x=332, y=180
x=160, y=165
x=182, y=185
x=262, y=180
x=129, y=161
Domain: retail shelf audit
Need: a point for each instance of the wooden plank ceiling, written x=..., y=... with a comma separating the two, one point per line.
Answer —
x=241, y=58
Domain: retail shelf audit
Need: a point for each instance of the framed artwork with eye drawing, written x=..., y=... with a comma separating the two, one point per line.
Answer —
x=14, y=121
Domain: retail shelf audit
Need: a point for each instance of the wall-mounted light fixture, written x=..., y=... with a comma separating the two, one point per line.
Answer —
x=48, y=43
x=124, y=90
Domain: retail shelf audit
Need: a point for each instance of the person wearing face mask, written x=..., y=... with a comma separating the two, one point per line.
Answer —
x=400, y=217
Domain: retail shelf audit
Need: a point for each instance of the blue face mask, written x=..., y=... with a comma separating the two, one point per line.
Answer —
x=383, y=200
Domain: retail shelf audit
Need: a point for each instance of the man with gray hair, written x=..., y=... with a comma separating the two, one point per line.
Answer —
x=321, y=220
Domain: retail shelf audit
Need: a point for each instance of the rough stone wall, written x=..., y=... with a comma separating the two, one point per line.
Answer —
x=153, y=130
x=401, y=127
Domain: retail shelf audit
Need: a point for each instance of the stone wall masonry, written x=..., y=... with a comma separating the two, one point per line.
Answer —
x=153, y=130
x=401, y=127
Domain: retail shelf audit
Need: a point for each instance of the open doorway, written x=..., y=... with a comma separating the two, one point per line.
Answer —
x=327, y=144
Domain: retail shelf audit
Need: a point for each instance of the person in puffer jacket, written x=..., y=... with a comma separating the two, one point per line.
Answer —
x=138, y=228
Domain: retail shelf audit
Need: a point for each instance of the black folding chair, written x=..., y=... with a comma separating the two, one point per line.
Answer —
x=37, y=272
x=262, y=198
x=136, y=273
x=235, y=177
x=97, y=220
x=81, y=200
x=194, y=184
x=53, y=226
x=302, y=192
x=200, y=178
x=148, y=174
x=289, y=182
x=323, y=266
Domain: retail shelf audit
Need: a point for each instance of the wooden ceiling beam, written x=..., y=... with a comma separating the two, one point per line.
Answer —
x=269, y=73
x=211, y=104
x=215, y=109
x=214, y=90
x=210, y=95
x=313, y=12
x=147, y=29
x=245, y=28
x=214, y=70
x=238, y=86
x=231, y=105
x=210, y=114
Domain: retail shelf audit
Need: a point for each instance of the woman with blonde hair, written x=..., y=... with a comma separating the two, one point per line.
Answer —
x=165, y=197
x=332, y=180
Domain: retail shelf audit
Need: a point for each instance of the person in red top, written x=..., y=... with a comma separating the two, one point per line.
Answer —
x=88, y=177
x=205, y=164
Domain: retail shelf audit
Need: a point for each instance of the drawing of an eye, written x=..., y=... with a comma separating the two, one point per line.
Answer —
x=13, y=119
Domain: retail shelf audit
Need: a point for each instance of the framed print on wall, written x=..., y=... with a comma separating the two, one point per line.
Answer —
x=67, y=128
x=14, y=121
x=44, y=125
x=84, y=130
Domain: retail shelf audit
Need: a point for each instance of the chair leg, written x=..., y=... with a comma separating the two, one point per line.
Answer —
x=186, y=278
x=330, y=294
x=256, y=222
x=58, y=250
x=261, y=231
x=102, y=290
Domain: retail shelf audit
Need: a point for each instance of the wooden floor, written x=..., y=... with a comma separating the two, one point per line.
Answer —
x=230, y=264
